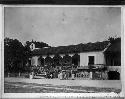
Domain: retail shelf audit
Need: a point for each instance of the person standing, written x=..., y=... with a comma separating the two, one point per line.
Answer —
x=51, y=75
x=67, y=75
x=73, y=76
x=61, y=76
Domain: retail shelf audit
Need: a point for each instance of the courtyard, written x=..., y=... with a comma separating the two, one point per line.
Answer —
x=26, y=85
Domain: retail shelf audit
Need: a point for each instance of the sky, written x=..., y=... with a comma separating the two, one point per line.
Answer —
x=62, y=26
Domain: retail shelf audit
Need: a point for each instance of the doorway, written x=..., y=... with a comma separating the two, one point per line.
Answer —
x=91, y=60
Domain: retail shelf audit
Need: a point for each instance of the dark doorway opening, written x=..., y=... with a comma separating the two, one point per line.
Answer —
x=91, y=60
x=113, y=75
x=75, y=59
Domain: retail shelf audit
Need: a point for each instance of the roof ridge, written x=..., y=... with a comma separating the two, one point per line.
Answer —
x=96, y=46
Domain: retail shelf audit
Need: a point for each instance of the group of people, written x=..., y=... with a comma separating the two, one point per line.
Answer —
x=69, y=74
x=63, y=75
x=103, y=75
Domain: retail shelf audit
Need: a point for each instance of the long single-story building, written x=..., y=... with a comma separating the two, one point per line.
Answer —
x=102, y=53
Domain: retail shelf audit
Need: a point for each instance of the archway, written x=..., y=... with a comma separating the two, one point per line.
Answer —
x=48, y=61
x=41, y=61
x=67, y=60
x=57, y=59
x=76, y=59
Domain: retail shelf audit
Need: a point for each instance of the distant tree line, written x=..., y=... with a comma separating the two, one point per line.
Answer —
x=16, y=54
x=114, y=39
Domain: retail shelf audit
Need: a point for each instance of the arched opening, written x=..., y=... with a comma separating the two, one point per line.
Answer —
x=67, y=60
x=48, y=61
x=76, y=59
x=57, y=59
x=41, y=61
x=113, y=75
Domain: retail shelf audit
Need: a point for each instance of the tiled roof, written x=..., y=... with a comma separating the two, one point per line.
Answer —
x=88, y=47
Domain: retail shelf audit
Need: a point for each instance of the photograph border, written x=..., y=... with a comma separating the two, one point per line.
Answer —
x=61, y=95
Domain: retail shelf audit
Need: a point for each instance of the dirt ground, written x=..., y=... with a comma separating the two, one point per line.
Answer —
x=25, y=85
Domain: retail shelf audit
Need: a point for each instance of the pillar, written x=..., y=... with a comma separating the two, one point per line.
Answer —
x=34, y=61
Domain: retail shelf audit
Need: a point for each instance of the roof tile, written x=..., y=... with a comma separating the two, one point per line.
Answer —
x=97, y=46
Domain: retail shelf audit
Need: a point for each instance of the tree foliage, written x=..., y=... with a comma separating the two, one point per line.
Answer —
x=114, y=39
x=14, y=55
x=37, y=44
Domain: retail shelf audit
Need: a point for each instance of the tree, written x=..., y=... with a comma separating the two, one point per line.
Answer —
x=37, y=44
x=16, y=55
x=13, y=55
x=114, y=39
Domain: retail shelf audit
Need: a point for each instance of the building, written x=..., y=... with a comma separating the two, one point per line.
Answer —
x=79, y=56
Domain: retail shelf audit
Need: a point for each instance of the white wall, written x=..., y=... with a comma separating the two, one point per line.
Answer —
x=98, y=58
x=34, y=60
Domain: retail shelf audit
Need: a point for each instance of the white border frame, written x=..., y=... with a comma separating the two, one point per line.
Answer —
x=53, y=95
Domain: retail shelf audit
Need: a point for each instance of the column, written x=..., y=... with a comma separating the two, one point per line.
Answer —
x=36, y=61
